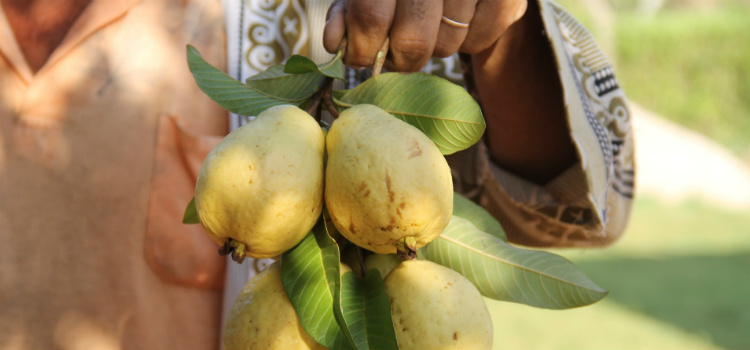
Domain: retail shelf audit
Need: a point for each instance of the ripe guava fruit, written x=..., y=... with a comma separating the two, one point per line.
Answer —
x=262, y=317
x=260, y=190
x=387, y=184
x=434, y=307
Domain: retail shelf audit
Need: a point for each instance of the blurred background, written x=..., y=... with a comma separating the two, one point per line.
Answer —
x=680, y=276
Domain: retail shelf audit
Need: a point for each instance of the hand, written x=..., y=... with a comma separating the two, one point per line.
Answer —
x=416, y=29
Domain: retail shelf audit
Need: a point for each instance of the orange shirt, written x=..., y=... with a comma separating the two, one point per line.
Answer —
x=98, y=155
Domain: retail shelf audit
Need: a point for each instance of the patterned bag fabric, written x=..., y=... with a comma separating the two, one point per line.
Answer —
x=589, y=204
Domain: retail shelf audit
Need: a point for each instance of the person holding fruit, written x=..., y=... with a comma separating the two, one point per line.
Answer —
x=103, y=130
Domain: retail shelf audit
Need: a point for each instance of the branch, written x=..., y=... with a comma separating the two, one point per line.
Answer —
x=324, y=94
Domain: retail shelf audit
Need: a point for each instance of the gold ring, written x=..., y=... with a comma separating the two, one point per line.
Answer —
x=455, y=24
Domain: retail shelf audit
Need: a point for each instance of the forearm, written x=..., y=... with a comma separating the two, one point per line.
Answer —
x=518, y=85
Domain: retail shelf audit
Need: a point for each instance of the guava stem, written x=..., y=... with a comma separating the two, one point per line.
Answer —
x=312, y=109
x=380, y=58
x=406, y=248
x=342, y=46
x=328, y=102
x=323, y=93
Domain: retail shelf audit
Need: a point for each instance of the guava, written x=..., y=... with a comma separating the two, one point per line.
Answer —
x=262, y=317
x=260, y=190
x=384, y=263
x=387, y=184
x=434, y=307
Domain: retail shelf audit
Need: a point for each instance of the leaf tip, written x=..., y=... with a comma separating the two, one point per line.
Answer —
x=190, y=216
x=191, y=50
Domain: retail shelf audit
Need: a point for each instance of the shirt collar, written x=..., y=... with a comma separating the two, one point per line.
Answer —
x=10, y=50
x=97, y=15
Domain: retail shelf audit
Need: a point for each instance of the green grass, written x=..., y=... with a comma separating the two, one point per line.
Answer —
x=692, y=67
x=678, y=279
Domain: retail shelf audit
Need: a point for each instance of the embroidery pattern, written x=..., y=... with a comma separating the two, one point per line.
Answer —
x=277, y=29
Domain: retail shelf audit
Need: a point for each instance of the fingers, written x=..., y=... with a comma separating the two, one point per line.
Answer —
x=451, y=37
x=413, y=34
x=491, y=19
x=416, y=29
x=367, y=26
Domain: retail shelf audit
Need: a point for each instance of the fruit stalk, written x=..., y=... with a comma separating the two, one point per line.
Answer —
x=328, y=102
x=380, y=58
x=323, y=95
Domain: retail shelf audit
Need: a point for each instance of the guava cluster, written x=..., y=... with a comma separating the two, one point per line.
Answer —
x=387, y=189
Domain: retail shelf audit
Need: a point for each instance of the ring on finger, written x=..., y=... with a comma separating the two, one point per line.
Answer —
x=454, y=24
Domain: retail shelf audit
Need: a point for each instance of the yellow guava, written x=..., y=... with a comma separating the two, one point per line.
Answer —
x=262, y=317
x=386, y=181
x=384, y=263
x=261, y=188
x=434, y=307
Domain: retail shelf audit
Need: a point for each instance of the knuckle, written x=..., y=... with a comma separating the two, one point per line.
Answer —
x=371, y=17
x=358, y=61
x=412, y=48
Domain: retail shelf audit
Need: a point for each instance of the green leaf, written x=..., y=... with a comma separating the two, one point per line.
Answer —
x=311, y=277
x=504, y=272
x=367, y=311
x=484, y=221
x=442, y=110
x=191, y=214
x=270, y=88
x=298, y=64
